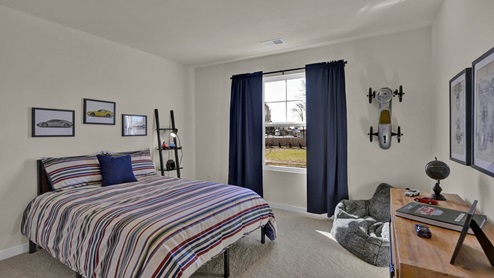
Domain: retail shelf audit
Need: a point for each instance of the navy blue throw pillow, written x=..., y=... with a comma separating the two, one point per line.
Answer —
x=116, y=170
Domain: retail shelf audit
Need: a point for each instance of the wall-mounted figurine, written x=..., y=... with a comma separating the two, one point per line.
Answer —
x=384, y=133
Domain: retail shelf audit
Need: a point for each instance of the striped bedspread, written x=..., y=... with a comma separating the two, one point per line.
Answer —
x=156, y=227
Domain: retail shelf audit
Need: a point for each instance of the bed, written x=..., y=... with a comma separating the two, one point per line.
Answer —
x=152, y=227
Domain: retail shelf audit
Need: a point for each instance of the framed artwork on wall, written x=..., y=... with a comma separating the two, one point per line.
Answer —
x=460, y=101
x=483, y=113
x=134, y=125
x=99, y=112
x=47, y=122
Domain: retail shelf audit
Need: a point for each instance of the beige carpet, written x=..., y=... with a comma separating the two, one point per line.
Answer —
x=303, y=249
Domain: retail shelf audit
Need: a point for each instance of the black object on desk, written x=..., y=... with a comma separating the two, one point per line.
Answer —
x=485, y=243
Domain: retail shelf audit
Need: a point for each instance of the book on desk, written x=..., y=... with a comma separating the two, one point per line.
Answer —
x=438, y=216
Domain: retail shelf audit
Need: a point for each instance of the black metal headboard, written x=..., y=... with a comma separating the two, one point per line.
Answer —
x=43, y=182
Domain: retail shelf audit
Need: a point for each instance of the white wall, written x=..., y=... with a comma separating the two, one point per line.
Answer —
x=462, y=32
x=43, y=64
x=393, y=60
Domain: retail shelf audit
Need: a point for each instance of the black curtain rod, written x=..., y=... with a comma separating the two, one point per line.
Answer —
x=278, y=71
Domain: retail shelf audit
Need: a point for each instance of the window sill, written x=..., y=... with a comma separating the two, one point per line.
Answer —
x=285, y=169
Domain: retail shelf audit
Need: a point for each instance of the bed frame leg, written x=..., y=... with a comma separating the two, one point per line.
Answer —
x=226, y=264
x=32, y=247
x=263, y=235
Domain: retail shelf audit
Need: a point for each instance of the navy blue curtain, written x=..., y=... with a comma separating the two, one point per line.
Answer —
x=327, y=177
x=245, y=158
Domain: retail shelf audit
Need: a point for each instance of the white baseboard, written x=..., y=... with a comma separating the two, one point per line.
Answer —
x=287, y=207
x=297, y=209
x=14, y=251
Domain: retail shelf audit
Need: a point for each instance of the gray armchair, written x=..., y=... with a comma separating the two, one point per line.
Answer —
x=362, y=226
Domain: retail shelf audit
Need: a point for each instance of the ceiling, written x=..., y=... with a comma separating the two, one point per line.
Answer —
x=206, y=32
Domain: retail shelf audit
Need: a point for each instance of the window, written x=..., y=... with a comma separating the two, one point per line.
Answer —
x=284, y=122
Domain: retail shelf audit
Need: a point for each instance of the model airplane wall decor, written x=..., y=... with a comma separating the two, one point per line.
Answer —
x=384, y=133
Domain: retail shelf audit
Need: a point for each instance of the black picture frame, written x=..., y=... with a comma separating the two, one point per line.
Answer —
x=460, y=117
x=134, y=125
x=464, y=231
x=99, y=112
x=484, y=241
x=483, y=113
x=49, y=122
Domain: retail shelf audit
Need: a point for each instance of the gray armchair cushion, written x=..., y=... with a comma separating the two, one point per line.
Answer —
x=362, y=226
x=379, y=203
x=351, y=209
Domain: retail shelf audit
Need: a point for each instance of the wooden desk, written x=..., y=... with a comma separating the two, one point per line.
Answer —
x=414, y=256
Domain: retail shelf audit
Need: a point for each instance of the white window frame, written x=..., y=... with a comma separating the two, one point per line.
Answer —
x=270, y=167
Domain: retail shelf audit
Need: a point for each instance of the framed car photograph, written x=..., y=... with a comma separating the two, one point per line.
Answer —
x=460, y=101
x=99, y=112
x=48, y=122
x=483, y=113
x=134, y=125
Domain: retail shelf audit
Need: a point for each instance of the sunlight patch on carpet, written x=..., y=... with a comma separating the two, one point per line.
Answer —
x=326, y=234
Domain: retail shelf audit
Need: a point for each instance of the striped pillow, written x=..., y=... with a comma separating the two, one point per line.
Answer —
x=67, y=172
x=142, y=163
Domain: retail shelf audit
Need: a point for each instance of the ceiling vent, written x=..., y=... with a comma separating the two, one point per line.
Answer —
x=272, y=42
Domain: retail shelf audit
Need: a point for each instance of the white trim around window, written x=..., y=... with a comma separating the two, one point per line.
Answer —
x=284, y=169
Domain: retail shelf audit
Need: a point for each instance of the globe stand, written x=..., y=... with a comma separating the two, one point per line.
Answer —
x=437, y=192
x=437, y=170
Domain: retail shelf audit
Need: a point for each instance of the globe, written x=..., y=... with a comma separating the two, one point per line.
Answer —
x=437, y=170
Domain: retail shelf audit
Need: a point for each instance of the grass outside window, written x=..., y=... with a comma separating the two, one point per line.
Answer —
x=285, y=157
